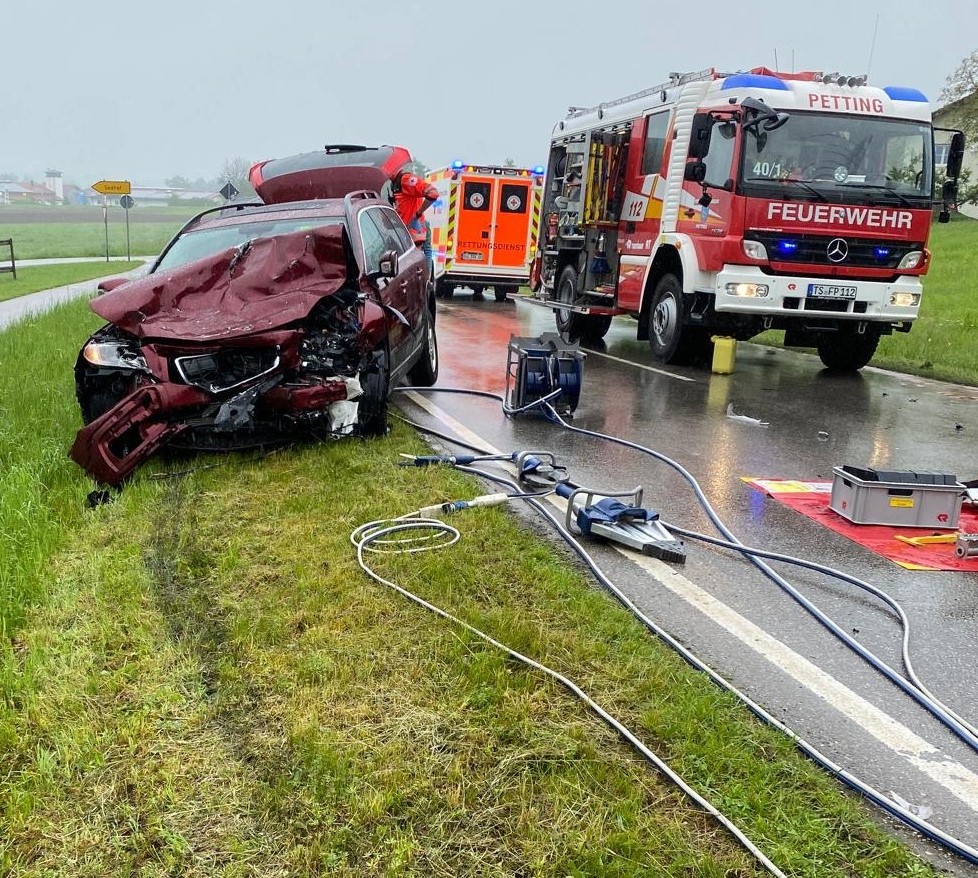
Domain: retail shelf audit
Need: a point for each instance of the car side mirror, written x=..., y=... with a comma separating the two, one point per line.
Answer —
x=106, y=286
x=955, y=155
x=386, y=265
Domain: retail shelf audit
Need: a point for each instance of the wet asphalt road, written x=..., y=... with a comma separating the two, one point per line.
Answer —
x=731, y=616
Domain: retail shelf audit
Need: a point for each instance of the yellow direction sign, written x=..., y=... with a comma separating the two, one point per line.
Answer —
x=113, y=187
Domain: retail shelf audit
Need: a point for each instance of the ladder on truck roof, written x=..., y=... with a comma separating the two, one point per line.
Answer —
x=675, y=80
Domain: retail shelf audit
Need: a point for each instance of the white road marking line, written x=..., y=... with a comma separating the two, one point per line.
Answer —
x=591, y=353
x=903, y=742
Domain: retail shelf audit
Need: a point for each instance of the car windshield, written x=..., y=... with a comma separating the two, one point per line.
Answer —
x=198, y=243
x=838, y=153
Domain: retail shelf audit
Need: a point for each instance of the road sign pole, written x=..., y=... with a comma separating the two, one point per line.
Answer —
x=126, y=202
x=105, y=220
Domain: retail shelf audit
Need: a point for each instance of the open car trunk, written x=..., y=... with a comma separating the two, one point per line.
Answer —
x=328, y=173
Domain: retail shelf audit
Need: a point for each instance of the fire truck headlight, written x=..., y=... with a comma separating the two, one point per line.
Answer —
x=755, y=250
x=905, y=300
x=912, y=260
x=747, y=291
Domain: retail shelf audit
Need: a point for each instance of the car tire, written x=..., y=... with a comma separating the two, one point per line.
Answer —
x=847, y=351
x=424, y=373
x=575, y=327
x=375, y=380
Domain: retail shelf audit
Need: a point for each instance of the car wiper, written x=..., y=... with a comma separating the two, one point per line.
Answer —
x=882, y=187
x=804, y=185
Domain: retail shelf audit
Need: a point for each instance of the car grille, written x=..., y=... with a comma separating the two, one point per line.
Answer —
x=813, y=250
x=227, y=370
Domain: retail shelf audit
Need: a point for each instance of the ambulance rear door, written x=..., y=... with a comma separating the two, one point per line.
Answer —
x=494, y=224
x=511, y=223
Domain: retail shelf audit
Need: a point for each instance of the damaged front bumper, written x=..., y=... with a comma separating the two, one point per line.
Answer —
x=155, y=415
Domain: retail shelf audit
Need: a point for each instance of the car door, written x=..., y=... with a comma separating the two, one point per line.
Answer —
x=400, y=293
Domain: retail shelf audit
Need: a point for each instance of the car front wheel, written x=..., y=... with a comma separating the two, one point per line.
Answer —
x=373, y=403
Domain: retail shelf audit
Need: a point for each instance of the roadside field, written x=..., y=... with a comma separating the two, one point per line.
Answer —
x=197, y=679
x=53, y=232
x=34, y=278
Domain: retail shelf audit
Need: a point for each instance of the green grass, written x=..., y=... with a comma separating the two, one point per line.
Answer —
x=55, y=240
x=197, y=679
x=44, y=277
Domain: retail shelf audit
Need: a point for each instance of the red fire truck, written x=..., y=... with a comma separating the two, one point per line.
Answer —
x=729, y=204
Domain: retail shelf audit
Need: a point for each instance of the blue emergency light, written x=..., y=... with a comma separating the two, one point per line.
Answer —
x=457, y=165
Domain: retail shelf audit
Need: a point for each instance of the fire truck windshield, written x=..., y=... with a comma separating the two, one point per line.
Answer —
x=845, y=158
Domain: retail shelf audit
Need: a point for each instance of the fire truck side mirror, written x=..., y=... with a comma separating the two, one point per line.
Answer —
x=695, y=171
x=955, y=155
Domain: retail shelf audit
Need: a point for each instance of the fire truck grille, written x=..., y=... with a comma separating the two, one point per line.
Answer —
x=815, y=249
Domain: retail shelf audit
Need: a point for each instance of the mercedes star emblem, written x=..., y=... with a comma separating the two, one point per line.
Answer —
x=837, y=250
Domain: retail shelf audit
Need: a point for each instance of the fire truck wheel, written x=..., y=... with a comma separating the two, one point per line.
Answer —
x=846, y=351
x=577, y=327
x=666, y=320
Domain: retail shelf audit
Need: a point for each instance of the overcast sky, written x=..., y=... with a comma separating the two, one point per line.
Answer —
x=144, y=91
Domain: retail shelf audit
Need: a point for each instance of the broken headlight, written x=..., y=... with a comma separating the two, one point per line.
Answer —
x=114, y=355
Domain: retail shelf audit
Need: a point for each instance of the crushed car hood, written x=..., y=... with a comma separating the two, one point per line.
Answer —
x=265, y=285
x=326, y=173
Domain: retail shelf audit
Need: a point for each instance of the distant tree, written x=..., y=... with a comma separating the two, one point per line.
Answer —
x=509, y=163
x=235, y=172
x=9, y=175
x=963, y=81
x=959, y=86
x=177, y=182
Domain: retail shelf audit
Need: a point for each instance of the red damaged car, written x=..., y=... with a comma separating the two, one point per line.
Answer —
x=261, y=322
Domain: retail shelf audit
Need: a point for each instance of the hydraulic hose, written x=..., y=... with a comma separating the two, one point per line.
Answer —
x=915, y=689
x=439, y=535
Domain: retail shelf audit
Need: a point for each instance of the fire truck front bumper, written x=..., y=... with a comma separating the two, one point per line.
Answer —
x=747, y=290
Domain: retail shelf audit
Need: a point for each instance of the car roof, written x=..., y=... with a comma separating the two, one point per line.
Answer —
x=237, y=214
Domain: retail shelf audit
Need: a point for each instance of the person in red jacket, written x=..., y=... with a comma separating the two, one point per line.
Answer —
x=413, y=195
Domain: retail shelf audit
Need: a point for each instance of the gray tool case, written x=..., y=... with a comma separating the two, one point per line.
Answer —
x=896, y=498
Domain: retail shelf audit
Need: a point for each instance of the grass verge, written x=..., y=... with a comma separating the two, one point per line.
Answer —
x=197, y=679
x=34, y=278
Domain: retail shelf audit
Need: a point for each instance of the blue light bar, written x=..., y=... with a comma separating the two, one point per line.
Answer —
x=898, y=93
x=787, y=247
x=754, y=80
x=539, y=169
x=882, y=253
x=457, y=165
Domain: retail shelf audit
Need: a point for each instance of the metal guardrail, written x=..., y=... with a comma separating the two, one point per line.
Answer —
x=12, y=268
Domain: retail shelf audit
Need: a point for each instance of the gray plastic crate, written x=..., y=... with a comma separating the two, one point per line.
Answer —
x=918, y=500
